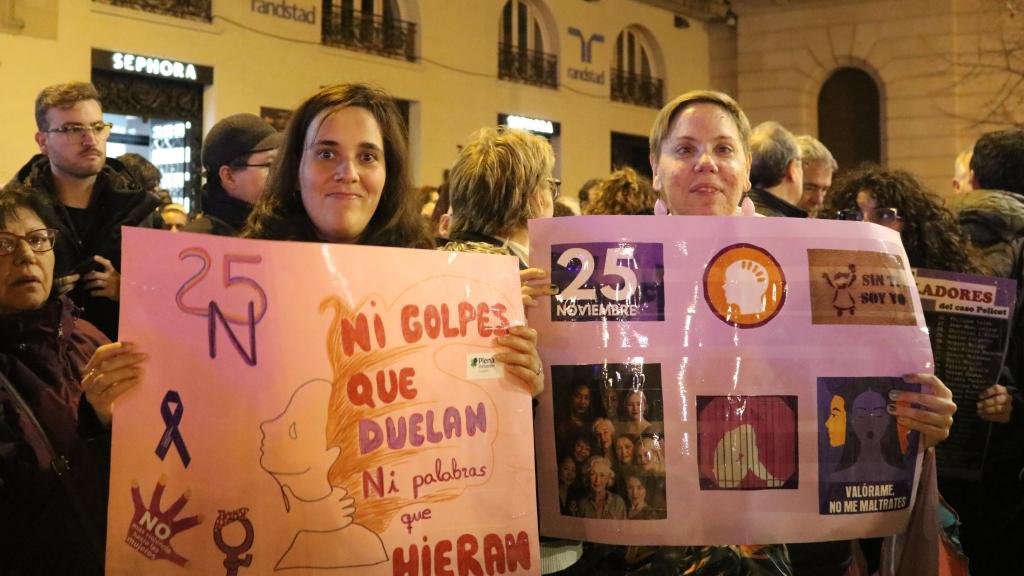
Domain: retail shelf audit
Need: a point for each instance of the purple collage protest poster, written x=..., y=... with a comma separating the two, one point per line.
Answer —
x=729, y=344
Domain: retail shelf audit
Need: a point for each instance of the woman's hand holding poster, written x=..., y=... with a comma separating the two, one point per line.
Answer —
x=319, y=409
x=725, y=380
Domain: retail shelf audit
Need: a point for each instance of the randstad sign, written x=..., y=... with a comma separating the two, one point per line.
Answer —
x=151, y=66
x=284, y=11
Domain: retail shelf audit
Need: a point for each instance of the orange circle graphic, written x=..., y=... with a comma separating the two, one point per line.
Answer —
x=744, y=285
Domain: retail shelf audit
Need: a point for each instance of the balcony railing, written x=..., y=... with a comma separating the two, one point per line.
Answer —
x=371, y=33
x=527, y=66
x=636, y=89
x=191, y=9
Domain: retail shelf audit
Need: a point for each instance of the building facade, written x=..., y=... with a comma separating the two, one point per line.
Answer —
x=589, y=74
x=941, y=73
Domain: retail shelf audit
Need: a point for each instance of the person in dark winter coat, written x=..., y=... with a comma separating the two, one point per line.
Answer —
x=237, y=156
x=776, y=172
x=59, y=377
x=94, y=197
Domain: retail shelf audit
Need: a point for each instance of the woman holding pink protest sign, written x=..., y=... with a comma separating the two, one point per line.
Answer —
x=59, y=378
x=342, y=176
x=700, y=157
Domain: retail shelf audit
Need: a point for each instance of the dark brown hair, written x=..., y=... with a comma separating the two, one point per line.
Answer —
x=16, y=195
x=280, y=215
x=931, y=235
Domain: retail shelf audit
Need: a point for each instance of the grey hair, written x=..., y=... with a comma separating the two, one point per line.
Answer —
x=772, y=148
x=812, y=150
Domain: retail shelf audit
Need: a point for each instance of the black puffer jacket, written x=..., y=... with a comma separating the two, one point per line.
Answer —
x=992, y=219
x=43, y=354
x=117, y=201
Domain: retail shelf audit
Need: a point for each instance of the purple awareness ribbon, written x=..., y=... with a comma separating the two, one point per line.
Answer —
x=172, y=434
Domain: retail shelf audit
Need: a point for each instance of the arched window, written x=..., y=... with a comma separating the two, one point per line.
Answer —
x=374, y=26
x=521, y=45
x=850, y=117
x=633, y=75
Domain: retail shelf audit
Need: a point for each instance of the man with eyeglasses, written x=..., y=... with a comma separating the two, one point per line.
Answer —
x=819, y=166
x=93, y=195
x=776, y=171
x=237, y=155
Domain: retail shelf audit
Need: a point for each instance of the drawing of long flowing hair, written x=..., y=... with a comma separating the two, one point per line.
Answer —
x=343, y=418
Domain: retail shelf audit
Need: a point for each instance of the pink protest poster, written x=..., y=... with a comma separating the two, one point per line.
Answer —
x=319, y=409
x=724, y=380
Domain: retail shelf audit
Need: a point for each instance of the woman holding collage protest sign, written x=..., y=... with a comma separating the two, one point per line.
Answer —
x=700, y=157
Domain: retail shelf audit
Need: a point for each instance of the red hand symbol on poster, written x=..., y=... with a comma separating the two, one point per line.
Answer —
x=151, y=529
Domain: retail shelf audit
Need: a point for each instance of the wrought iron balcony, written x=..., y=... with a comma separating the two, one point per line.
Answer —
x=191, y=9
x=527, y=66
x=636, y=89
x=371, y=33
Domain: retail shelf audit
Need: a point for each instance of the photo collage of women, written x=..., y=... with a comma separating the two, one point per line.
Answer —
x=610, y=441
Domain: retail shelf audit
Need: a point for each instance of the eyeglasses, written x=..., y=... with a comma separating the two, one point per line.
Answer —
x=245, y=165
x=75, y=132
x=556, y=188
x=879, y=216
x=38, y=241
x=815, y=189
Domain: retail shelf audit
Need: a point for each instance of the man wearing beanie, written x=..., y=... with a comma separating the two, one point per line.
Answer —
x=237, y=156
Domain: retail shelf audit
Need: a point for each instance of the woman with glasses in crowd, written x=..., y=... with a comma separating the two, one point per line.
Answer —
x=899, y=201
x=501, y=179
x=934, y=239
x=59, y=378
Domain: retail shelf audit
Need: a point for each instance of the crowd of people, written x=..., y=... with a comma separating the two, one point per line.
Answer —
x=340, y=174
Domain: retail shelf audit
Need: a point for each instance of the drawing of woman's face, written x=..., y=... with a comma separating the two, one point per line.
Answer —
x=295, y=443
x=735, y=453
x=869, y=416
x=836, y=422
